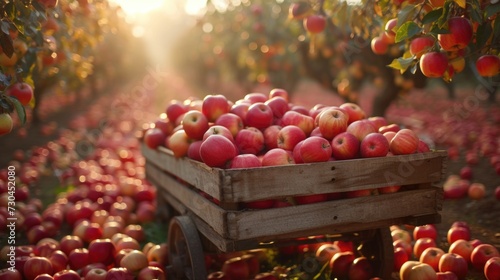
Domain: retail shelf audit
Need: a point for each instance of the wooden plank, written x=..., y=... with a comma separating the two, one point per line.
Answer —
x=194, y=173
x=362, y=210
x=193, y=201
x=236, y=185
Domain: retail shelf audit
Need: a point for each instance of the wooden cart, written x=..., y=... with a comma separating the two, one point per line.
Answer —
x=183, y=183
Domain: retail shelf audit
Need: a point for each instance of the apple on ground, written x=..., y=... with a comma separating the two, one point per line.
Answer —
x=481, y=254
x=400, y=257
x=457, y=232
x=151, y=273
x=340, y=264
x=454, y=263
x=431, y=256
x=401, y=233
x=448, y=275
x=417, y=270
x=428, y=230
x=96, y=274
x=422, y=244
x=461, y=247
x=102, y=251
x=361, y=268
x=492, y=268
x=236, y=268
x=67, y=274
x=325, y=252
x=35, y=266
x=476, y=191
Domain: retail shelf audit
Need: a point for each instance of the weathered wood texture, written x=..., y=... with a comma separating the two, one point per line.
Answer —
x=181, y=181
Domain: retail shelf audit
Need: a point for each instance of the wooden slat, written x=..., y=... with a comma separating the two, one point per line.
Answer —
x=363, y=210
x=235, y=185
x=193, y=201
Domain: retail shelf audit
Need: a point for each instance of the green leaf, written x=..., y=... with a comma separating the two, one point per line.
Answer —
x=406, y=14
x=402, y=64
x=492, y=10
x=21, y=112
x=432, y=16
x=475, y=11
x=496, y=30
x=442, y=22
x=407, y=30
x=483, y=33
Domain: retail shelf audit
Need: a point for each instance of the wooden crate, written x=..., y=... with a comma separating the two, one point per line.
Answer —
x=180, y=182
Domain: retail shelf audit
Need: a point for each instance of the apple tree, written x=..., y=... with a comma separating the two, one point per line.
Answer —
x=415, y=38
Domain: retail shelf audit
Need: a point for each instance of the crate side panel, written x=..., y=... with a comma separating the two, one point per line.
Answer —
x=362, y=210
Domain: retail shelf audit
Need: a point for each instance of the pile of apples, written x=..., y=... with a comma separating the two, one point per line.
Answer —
x=268, y=130
x=417, y=255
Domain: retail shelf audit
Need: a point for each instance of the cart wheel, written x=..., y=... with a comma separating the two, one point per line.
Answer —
x=380, y=250
x=185, y=251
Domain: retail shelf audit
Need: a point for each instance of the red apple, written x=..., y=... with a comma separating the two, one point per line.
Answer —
x=59, y=260
x=193, y=151
x=492, y=268
x=255, y=97
x=218, y=275
x=35, y=266
x=466, y=173
x=240, y=110
x=96, y=274
x=361, y=128
x=388, y=189
x=461, y=247
x=332, y=122
x=407, y=247
x=220, y=130
x=245, y=161
x=476, y=191
x=296, y=153
x=67, y=274
x=315, y=149
x=289, y=136
x=236, y=268
x=195, y=124
x=214, y=106
x=78, y=258
x=305, y=122
x=404, y=142
x=448, y=275
x=481, y=254
x=315, y=23
x=488, y=65
x=271, y=136
x=312, y=198
x=151, y=273
x=278, y=105
x=378, y=122
x=390, y=127
x=249, y=140
x=179, y=143
x=354, y=112
x=276, y=157
x=340, y=264
x=433, y=64
x=175, y=109
x=70, y=242
x=454, y=263
x=431, y=256
x=423, y=147
x=259, y=115
x=427, y=230
x=400, y=257
x=154, y=137
x=283, y=93
x=231, y=121
x=119, y=273
x=455, y=188
x=422, y=244
x=10, y=274
x=497, y=193
x=44, y=276
x=345, y=146
x=459, y=36
x=400, y=233
x=22, y=91
x=379, y=45
x=374, y=145
x=102, y=251
x=361, y=268
x=421, y=45
x=455, y=233
x=260, y=204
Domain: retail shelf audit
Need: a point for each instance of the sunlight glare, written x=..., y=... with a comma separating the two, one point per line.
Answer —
x=135, y=7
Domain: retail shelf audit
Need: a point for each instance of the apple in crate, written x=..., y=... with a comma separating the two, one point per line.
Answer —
x=361, y=128
x=353, y=111
x=405, y=142
x=231, y=121
x=195, y=124
x=315, y=149
x=276, y=157
x=259, y=115
x=345, y=146
x=218, y=129
x=331, y=122
x=374, y=145
x=278, y=105
x=289, y=136
x=154, y=137
x=214, y=106
x=245, y=161
x=217, y=151
x=305, y=122
x=249, y=140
